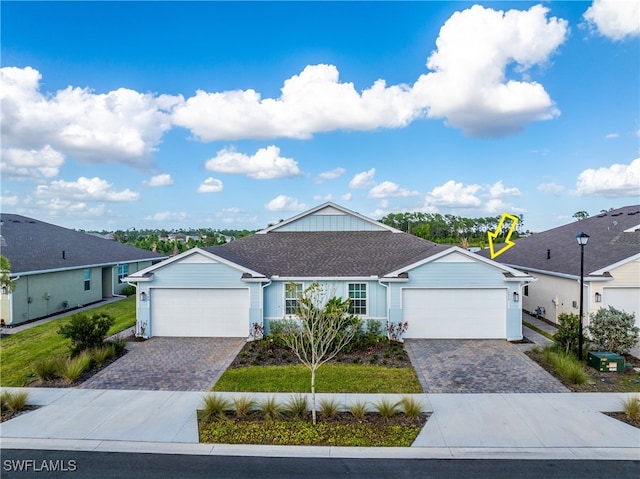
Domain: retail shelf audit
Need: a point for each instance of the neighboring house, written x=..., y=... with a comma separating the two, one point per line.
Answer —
x=611, y=265
x=55, y=269
x=442, y=291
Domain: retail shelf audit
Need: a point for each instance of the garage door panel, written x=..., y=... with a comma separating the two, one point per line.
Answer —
x=200, y=312
x=455, y=313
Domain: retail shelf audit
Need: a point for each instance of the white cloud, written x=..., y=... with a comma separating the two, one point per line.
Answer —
x=119, y=126
x=346, y=197
x=168, y=216
x=36, y=163
x=323, y=198
x=285, y=203
x=612, y=136
x=618, y=180
x=236, y=216
x=499, y=191
x=553, y=188
x=615, y=19
x=85, y=189
x=8, y=201
x=496, y=205
x=388, y=189
x=310, y=102
x=363, y=180
x=468, y=85
x=265, y=164
x=330, y=175
x=160, y=180
x=210, y=185
x=65, y=207
x=453, y=194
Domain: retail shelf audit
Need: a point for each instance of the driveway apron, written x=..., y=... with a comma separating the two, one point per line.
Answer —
x=477, y=366
x=169, y=364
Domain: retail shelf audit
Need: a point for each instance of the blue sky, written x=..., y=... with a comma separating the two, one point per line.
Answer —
x=234, y=115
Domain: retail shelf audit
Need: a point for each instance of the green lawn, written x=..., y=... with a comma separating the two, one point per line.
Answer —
x=20, y=351
x=330, y=378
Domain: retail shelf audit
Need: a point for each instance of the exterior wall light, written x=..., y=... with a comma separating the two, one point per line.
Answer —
x=143, y=296
x=516, y=297
x=598, y=298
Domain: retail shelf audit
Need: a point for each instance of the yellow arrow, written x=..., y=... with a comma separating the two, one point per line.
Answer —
x=494, y=235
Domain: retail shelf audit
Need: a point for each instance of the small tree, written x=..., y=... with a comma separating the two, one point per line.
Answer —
x=614, y=330
x=5, y=274
x=568, y=333
x=85, y=331
x=325, y=328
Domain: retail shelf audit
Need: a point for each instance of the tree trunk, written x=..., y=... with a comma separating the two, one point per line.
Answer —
x=313, y=395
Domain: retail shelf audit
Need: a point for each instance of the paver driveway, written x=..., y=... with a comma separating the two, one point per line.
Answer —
x=477, y=366
x=169, y=364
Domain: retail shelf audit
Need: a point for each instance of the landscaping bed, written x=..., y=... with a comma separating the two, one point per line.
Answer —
x=267, y=352
x=627, y=381
x=343, y=430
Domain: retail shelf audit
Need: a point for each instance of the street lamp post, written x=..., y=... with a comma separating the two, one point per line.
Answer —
x=582, y=239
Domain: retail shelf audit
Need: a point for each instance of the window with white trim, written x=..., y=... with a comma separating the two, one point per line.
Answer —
x=358, y=297
x=292, y=292
x=87, y=279
x=123, y=272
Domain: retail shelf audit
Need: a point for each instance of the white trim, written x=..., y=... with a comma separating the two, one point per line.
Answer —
x=136, y=276
x=568, y=276
x=366, y=297
x=84, y=266
x=321, y=207
x=319, y=279
x=615, y=265
x=519, y=275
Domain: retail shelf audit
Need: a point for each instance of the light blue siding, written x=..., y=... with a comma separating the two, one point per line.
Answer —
x=330, y=223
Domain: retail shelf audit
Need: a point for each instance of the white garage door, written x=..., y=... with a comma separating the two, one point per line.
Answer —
x=455, y=313
x=626, y=299
x=200, y=312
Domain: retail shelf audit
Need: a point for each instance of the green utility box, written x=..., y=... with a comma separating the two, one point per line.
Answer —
x=610, y=362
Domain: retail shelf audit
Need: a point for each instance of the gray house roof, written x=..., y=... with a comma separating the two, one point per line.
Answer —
x=327, y=253
x=32, y=245
x=614, y=237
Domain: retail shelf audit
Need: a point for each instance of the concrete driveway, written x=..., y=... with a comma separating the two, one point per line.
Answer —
x=169, y=364
x=477, y=366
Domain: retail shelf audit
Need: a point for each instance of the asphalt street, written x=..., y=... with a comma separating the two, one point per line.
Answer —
x=18, y=463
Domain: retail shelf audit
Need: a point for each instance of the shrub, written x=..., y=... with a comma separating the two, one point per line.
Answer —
x=566, y=365
x=213, y=407
x=386, y=408
x=631, y=407
x=118, y=346
x=411, y=407
x=566, y=338
x=101, y=354
x=279, y=328
x=243, y=405
x=128, y=290
x=396, y=330
x=72, y=368
x=358, y=409
x=297, y=407
x=270, y=408
x=13, y=401
x=614, y=330
x=328, y=408
x=47, y=369
x=85, y=331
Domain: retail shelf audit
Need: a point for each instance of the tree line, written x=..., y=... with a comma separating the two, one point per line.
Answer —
x=451, y=229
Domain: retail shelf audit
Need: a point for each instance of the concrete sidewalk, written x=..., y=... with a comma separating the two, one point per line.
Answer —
x=531, y=426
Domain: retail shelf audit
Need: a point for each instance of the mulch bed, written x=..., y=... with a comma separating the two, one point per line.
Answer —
x=266, y=352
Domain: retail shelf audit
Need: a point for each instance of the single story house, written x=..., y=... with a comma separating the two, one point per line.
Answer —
x=442, y=291
x=611, y=265
x=55, y=269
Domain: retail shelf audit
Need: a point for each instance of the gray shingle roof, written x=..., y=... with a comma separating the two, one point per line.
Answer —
x=327, y=254
x=608, y=244
x=33, y=245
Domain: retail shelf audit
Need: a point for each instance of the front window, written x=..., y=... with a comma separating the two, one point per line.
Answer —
x=293, y=292
x=123, y=272
x=87, y=279
x=358, y=297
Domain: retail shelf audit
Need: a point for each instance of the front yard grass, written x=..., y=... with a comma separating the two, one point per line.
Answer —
x=330, y=378
x=20, y=352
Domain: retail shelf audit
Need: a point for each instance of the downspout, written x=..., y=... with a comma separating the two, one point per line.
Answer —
x=262, y=303
x=386, y=286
